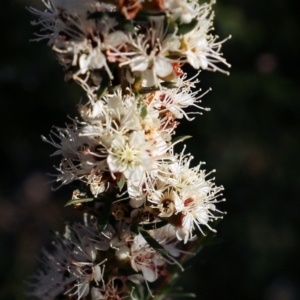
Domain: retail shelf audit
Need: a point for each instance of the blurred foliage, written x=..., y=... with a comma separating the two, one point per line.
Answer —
x=251, y=137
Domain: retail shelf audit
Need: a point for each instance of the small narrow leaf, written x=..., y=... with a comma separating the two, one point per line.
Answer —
x=139, y=100
x=143, y=112
x=152, y=242
x=173, y=279
x=104, y=85
x=128, y=26
x=171, y=26
x=121, y=182
x=181, y=139
x=104, y=216
x=134, y=229
x=146, y=90
x=143, y=15
x=169, y=84
x=185, y=28
x=182, y=295
x=79, y=201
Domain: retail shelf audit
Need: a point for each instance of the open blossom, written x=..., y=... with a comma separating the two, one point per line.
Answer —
x=142, y=257
x=175, y=100
x=50, y=282
x=72, y=267
x=185, y=197
x=145, y=259
x=149, y=261
x=116, y=288
x=129, y=156
x=149, y=52
x=200, y=47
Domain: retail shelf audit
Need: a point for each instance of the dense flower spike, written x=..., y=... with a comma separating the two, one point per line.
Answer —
x=142, y=202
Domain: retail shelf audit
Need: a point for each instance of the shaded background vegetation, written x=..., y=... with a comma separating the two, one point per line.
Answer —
x=251, y=137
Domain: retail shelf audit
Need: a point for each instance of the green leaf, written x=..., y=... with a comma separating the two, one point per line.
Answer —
x=169, y=84
x=78, y=201
x=185, y=28
x=104, y=216
x=143, y=112
x=128, y=26
x=182, y=295
x=121, y=182
x=104, y=85
x=139, y=100
x=146, y=90
x=181, y=139
x=173, y=279
x=171, y=26
x=144, y=15
x=134, y=229
x=152, y=242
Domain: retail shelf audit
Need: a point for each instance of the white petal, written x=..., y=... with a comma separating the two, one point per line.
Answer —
x=97, y=273
x=139, y=63
x=137, y=278
x=149, y=274
x=163, y=67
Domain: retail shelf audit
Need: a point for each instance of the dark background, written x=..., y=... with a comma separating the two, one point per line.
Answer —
x=251, y=137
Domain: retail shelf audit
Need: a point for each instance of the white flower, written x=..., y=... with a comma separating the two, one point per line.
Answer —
x=149, y=54
x=95, y=59
x=151, y=124
x=93, y=112
x=136, y=194
x=128, y=155
x=73, y=266
x=200, y=47
x=176, y=99
x=145, y=259
x=183, y=10
x=97, y=185
x=51, y=281
x=166, y=236
x=47, y=20
x=168, y=202
x=124, y=112
x=84, y=267
x=184, y=196
x=83, y=157
x=149, y=261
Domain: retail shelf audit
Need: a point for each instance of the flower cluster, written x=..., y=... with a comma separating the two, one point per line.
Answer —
x=122, y=139
x=86, y=262
x=143, y=42
x=142, y=200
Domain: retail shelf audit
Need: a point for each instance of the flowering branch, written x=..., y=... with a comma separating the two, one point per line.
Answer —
x=143, y=204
